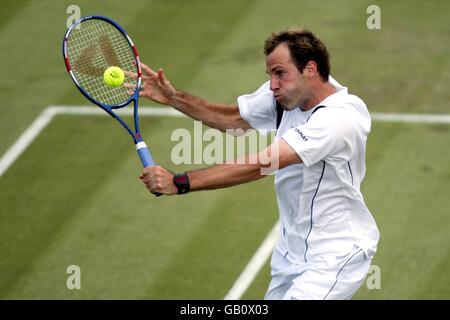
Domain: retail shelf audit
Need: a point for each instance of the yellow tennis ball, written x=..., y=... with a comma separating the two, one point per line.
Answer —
x=113, y=76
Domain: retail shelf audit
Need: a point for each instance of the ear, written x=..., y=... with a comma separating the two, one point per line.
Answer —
x=310, y=69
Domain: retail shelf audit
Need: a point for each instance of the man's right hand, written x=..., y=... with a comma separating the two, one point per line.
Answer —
x=155, y=86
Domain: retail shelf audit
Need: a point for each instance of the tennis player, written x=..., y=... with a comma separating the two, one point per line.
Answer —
x=328, y=237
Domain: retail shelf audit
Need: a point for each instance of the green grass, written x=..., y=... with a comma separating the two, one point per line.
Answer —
x=74, y=196
x=410, y=202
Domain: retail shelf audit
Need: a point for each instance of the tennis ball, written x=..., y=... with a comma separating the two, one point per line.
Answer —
x=113, y=76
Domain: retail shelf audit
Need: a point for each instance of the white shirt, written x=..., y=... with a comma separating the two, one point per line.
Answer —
x=322, y=210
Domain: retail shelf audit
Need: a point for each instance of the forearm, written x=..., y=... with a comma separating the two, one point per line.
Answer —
x=215, y=115
x=249, y=168
x=223, y=176
x=156, y=87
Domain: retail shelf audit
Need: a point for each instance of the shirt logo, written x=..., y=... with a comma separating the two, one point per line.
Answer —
x=304, y=138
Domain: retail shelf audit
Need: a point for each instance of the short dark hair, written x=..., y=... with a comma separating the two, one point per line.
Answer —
x=304, y=46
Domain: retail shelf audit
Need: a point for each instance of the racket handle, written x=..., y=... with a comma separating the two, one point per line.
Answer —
x=144, y=154
x=146, y=157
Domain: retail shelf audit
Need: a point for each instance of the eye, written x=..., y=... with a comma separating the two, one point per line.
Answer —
x=280, y=73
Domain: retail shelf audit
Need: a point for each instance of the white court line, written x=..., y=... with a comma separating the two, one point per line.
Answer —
x=25, y=139
x=261, y=256
x=411, y=117
x=254, y=266
x=49, y=113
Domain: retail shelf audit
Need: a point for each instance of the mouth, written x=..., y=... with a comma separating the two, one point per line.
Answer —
x=277, y=97
x=283, y=103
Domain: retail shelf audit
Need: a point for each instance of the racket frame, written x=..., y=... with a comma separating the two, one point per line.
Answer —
x=141, y=147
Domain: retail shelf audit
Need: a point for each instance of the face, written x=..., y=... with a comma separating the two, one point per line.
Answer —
x=289, y=86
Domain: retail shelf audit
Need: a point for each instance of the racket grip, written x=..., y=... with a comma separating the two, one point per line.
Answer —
x=146, y=157
x=144, y=154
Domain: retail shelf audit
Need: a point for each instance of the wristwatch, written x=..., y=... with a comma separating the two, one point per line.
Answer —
x=181, y=181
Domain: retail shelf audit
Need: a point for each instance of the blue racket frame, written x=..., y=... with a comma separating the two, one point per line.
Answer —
x=141, y=147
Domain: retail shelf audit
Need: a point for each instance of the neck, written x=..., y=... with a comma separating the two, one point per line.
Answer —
x=319, y=93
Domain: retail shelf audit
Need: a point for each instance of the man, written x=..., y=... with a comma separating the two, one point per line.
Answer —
x=327, y=236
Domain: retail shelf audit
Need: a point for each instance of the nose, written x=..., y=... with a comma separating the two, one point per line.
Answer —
x=274, y=85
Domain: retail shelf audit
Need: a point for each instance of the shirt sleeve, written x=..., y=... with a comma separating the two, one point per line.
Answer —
x=328, y=133
x=258, y=108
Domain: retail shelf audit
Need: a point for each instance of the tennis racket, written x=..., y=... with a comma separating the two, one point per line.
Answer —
x=91, y=45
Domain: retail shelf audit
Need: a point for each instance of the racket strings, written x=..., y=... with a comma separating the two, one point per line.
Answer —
x=91, y=49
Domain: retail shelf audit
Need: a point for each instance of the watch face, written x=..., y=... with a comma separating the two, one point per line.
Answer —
x=181, y=179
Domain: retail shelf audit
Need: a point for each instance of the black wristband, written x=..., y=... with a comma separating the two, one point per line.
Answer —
x=181, y=181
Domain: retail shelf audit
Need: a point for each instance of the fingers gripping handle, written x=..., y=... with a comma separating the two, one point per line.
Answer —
x=146, y=157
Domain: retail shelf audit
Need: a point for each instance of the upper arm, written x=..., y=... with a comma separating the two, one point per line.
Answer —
x=287, y=154
x=276, y=156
